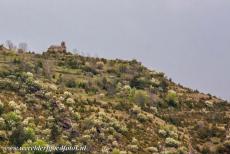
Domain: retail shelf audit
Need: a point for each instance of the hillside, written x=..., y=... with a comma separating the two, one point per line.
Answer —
x=111, y=106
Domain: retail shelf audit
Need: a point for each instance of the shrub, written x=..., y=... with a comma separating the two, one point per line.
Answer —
x=163, y=85
x=109, y=86
x=85, y=138
x=25, y=65
x=39, y=143
x=67, y=94
x=73, y=63
x=12, y=119
x=171, y=142
x=172, y=98
x=29, y=133
x=9, y=85
x=123, y=106
x=2, y=123
x=31, y=99
x=55, y=132
x=135, y=110
x=162, y=132
x=116, y=151
x=82, y=85
x=70, y=101
x=154, y=109
x=123, y=68
x=18, y=136
x=13, y=105
x=139, y=83
x=173, y=134
x=100, y=65
x=209, y=104
x=133, y=148
x=168, y=131
x=182, y=150
x=142, y=118
x=29, y=75
x=90, y=69
x=3, y=136
x=27, y=121
x=17, y=61
x=205, y=131
x=77, y=116
x=32, y=86
x=39, y=64
x=119, y=127
x=71, y=84
x=90, y=86
x=173, y=120
x=142, y=99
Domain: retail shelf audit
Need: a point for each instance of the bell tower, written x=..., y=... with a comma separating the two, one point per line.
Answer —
x=63, y=46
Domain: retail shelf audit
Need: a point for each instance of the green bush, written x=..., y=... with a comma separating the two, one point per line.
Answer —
x=71, y=84
x=29, y=133
x=17, y=137
x=139, y=83
x=168, y=131
x=142, y=99
x=77, y=116
x=73, y=63
x=8, y=85
x=20, y=135
x=90, y=69
x=172, y=98
x=82, y=85
x=116, y=151
x=12, y=119
x=123, y=106
x=32, y=86
x=17, y=61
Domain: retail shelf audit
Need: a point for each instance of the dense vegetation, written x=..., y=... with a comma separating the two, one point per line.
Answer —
x=115, y=105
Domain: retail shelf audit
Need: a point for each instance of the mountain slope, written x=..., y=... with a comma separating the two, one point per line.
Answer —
x=108, y=105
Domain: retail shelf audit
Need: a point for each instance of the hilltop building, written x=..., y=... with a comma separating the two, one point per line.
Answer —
x=57, y=48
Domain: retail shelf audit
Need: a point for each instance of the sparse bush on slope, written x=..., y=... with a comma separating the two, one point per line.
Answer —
x=108, y=105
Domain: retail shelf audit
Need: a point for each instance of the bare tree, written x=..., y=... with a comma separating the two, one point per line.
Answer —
x=23, y=46
x=9, y=44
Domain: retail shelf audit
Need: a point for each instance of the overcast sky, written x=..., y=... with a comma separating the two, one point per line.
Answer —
x=189, y=40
